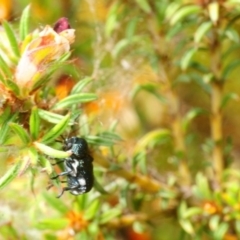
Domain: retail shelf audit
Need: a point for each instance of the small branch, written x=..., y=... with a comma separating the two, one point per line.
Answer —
x=178, y=135
x=216, y=100
x=147, y=184
x=216, y=128
x=128, y=219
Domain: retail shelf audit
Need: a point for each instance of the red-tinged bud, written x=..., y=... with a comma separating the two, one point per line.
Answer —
x=61, y=25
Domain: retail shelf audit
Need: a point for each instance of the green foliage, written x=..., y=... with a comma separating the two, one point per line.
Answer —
x=24, y=24
x=5, y=70
x=34, y=123
x=57, y=130
x=12, y=38
x=9, y=176
x=75, y=99
x=149, y=84
x=21, y=132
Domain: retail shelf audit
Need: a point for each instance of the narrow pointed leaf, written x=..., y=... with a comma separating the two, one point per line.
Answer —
x=5, y=68
x=33, y=155
x=57, y=130
x=8, y=231
x=4, y=137
x=9, y=176
x=5, y=115
x=193, y=211
x=99, y=187
x=202, y=188
x=12, y=38
x=92, y=210
x=201, y=31
x=233, y=35
x=52, y=117
x=112, y=19
x=227, y=98
x=23, y=28
x=34, y=123
x=213, y=9
x=24, y=160
x=187, y=226
x=221, y=231
x=109, y=215
x=5, y=128
x=111, y=135
x=171, y=9
x=123, y=44
x=56, y=203
x=144, y=5
x=193, y=113
x=184, y=12
x=80, y=85
x=53, y=223
x=20, y=131
x=229, y=68
x=186, y=59
x=2, y=79
x=150, y=139
x=44, y=161
x=12, y=86
x=51, y=151
x=75, y=99
x=99, y=140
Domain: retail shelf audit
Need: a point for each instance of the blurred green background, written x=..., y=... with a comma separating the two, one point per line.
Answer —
x=167, y=74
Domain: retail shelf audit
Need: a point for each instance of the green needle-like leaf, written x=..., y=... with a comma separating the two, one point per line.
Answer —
x=109, y=215
x=12, y=38
x=57, y=130
x=5, y=68
x=34, y=123
x=20, y=131
x=9, y=176
x=5, y=119
x=56, y=203
x=13, y=86
x=92, y=210
x=23, y=28
x=80, y=85
x=51, y=151
x=52, y=117
x=75, y=99
x=183, y=12
x=53, y=224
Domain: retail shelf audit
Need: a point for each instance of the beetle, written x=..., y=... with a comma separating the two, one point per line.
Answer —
x=78, y=167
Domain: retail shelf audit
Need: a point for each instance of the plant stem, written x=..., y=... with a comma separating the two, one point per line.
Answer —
x=216, y=100
x=145, y=183
x=216, y=128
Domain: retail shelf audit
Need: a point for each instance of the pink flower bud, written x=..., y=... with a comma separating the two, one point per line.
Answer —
x=61, y=25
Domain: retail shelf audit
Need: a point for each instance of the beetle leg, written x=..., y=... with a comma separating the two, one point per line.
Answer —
x=61, y=174
x=78, y=187
x=49, y=186
x=65, y=189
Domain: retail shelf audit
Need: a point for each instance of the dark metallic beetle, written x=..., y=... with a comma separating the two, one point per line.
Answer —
x=78, y=168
